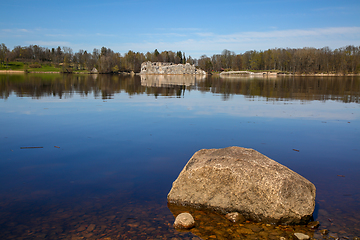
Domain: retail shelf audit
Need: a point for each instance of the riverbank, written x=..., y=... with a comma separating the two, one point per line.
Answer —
x=275, y=74
x=83, y=72
x=223, y=74
x=11, y=71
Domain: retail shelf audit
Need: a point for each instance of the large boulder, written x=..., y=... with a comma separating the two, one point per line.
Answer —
x=236, y=179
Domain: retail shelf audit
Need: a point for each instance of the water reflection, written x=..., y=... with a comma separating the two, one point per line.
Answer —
x=170, y=80
x=344, y=89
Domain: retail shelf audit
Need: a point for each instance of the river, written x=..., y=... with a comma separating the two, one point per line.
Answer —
x=94, y=156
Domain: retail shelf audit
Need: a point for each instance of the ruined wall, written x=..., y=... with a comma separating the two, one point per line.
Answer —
x=169, y=68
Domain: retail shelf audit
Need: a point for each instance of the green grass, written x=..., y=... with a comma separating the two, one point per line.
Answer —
x=81, y=71
x=25, y=66
x=45, y=68
x=22, y=66
x=12, y=66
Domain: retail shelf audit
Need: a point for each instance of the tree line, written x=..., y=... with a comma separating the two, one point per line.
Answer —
x=290, y=60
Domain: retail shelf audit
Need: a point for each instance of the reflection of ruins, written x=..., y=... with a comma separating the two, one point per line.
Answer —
x=169, y=80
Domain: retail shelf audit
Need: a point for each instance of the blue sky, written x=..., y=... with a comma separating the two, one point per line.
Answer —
x=194, y=27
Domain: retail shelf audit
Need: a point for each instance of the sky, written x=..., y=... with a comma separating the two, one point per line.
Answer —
x=191, y=26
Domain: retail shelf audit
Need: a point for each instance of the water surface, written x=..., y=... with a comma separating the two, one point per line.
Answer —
x=111, y=146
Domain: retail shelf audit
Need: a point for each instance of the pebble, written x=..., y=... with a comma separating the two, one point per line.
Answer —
x=314, y=224
x=301, y=236
x=245, y=231
x=90, y=228
x=235, y=217
x=324, y=231
x=255, y=228
x=184, y=220
x=81, y=228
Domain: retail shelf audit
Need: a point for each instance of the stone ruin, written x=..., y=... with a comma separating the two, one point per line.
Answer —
x=169, y=68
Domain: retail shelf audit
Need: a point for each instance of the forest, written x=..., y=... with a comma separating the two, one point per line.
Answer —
x=306, y=60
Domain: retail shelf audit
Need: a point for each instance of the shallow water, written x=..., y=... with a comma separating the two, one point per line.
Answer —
x=111, y=146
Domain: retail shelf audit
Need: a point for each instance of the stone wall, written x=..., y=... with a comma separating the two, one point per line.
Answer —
x=169, y=68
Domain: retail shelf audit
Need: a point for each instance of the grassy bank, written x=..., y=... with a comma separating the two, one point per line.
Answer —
x=34, y=67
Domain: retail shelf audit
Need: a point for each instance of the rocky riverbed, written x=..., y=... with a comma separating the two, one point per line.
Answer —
x=104, y=218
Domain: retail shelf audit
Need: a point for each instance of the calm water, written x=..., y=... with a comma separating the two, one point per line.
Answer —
x=111, y=147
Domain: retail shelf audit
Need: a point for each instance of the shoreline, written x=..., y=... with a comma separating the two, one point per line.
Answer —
x=12, y=71
x=275, y=74
x=215, y=74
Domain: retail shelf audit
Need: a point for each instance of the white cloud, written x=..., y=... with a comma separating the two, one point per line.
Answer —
x=210, y=43
x=284, y=34
x=16, y=31
x=179, y=29
x=24, y=30
x=205, y=34
x=105, y=35
x=168, y=34
x=192, y=41
x=329, y=9
x=49, y=43
x=58, y=35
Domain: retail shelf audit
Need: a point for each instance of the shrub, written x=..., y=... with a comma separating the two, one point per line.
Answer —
x=35, y=65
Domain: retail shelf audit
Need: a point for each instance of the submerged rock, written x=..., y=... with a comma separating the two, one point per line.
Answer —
x=301, y=236
x=235, y=217
x=314, y=224
x=324, y=231
x=184, y=221
x=236, y=179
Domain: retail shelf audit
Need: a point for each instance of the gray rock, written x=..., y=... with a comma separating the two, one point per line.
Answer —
x=169, y=68
x=236, y=179
x=301, y=236
x=184, y=221
x=94, y=71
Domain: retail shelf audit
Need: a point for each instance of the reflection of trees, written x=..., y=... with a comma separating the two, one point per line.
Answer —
x=345, y=89
x=37, y=86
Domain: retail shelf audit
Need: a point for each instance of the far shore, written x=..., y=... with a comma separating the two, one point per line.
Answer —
x=265, y=74
x=11, y=71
